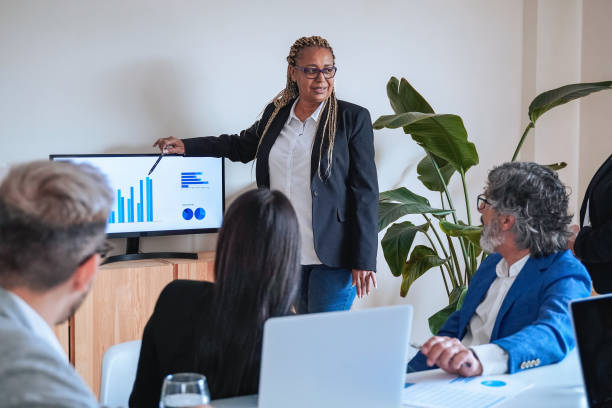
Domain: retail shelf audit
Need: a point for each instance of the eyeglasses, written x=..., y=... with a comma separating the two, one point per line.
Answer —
x=312, y=72
x=481, y=201
x=104, y=248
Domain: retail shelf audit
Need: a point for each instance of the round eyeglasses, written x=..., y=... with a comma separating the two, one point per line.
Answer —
x=313, y=72
x=481, y=201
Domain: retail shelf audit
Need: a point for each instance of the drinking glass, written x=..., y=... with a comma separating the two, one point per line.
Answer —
x=184, y=390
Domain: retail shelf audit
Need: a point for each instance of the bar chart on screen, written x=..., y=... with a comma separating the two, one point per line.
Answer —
x=130, y=210
x=182, y=194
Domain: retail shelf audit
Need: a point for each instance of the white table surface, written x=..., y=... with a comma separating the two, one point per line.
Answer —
x=556, y=385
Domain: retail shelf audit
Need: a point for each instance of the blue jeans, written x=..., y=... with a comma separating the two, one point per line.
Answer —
x=325, y=289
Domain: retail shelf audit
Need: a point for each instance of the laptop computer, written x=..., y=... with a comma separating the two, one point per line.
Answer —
x=336, y=359
x=592, y=319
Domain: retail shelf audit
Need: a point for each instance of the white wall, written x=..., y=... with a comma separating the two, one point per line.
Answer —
x=106, y=77
x=595, y=110
x=556, y=135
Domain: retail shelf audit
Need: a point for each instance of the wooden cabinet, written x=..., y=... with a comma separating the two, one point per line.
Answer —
x=119, y=305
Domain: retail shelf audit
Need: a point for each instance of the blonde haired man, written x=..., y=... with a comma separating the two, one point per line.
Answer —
x=52, y=222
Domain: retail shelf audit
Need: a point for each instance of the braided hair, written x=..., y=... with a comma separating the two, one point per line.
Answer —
x=291, y=92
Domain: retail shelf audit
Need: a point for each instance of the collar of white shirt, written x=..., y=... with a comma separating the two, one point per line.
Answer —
x=314, y=116
x=503, y=271
x=39, y=327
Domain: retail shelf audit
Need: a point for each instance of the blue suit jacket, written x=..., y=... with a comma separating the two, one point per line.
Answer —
x=533, y=323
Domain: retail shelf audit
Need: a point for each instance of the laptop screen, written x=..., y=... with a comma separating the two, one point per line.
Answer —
x=593, y=325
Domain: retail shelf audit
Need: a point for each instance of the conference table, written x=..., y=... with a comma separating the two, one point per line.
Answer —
x=557, y=385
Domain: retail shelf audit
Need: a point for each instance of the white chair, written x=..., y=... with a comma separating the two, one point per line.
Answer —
x=118, y=373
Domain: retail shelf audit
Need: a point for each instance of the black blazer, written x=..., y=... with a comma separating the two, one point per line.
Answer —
x=171, y=339
x=593, y=244
x=345, y=205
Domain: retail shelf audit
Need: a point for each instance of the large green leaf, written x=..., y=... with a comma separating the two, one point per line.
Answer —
x=429, y=176
x=402, y=195
x=437, y=320
x=471, y=232
x=443, y=135
x=555, y=97
x=404, y=98
x=394, y=204
x=422, y=259
x=397, y=242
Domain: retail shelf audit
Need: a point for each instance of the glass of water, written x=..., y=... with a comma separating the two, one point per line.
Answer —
x=184, y=390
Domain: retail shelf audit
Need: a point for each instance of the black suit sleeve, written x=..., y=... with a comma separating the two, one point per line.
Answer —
x=594, y=245
x=241, y=147
x=363, y=193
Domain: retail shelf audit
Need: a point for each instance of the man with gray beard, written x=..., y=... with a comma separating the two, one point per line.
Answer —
x=515, y=313
x=52, y=221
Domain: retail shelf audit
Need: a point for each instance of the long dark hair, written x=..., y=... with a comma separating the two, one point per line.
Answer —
x=256, y=277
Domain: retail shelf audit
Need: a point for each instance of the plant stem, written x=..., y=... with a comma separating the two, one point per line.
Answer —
x=453, y=265
x=441, y=270
x=451, y=205
x=436, y=234
x=520, y=144
x=467, y=201
x=448, y=197
x=453, y=276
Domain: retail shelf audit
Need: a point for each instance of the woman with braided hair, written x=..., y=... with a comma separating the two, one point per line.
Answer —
x=319, y=152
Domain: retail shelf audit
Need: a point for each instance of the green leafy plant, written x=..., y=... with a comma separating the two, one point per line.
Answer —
x=454, y=243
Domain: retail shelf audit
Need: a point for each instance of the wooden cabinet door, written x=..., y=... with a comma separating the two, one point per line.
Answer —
x=118, y=307
x=203, y=269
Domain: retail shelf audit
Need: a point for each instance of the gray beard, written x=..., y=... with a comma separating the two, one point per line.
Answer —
x=491, y=236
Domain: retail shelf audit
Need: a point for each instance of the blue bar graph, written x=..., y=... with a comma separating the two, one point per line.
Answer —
x=140, y=212
x=121, y=207
x=149, y=199
x=134, y=211
x=192, y=179
x=131, y=205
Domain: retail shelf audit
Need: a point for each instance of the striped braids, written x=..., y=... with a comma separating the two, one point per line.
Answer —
x=291, y=92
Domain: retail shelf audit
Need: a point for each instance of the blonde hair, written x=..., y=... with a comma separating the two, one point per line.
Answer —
x=56, y=211
x=291, y=92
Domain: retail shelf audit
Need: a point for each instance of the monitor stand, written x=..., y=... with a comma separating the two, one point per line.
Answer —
x=132, y=253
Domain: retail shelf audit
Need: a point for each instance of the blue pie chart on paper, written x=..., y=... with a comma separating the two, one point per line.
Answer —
x=493, y=383
x=187, y=213
x=200, y=213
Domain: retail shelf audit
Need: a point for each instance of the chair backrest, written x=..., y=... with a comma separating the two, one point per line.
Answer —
x=118, y=373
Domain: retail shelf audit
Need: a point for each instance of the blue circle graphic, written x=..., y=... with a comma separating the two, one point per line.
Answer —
x=493, y=383
x=187, y=213
x=200, y=213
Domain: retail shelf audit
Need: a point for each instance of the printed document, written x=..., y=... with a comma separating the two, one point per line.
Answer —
x=437, y=389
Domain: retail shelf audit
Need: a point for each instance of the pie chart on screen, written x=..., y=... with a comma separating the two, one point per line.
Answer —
x=200, y=213
x=187, y=213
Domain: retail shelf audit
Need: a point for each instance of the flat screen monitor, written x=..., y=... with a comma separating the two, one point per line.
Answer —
x=183, y=195
x=592, y=318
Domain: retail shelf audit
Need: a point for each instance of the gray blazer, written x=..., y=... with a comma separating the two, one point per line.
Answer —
x=32, y=374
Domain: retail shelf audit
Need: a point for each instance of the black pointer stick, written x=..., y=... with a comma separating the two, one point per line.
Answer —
x=156, y=162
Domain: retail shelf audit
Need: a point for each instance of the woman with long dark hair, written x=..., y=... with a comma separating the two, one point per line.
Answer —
x=216, y=329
